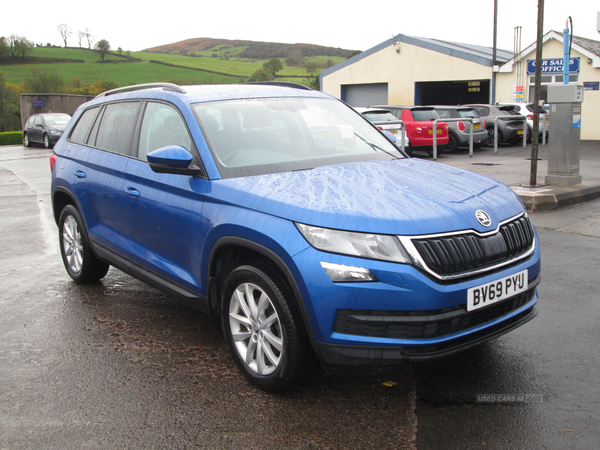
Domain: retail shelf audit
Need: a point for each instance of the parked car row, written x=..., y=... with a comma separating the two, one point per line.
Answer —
x=456, y=133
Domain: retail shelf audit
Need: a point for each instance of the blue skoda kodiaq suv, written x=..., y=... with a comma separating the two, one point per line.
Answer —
x=294, y=222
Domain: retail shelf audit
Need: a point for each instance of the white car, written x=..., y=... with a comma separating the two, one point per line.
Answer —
x=386, y=121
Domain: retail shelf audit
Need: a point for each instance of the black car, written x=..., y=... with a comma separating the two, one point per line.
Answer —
x=45, y=129
x=510, y=131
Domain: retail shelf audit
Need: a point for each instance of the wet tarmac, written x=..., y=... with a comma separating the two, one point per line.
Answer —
x=118, y=364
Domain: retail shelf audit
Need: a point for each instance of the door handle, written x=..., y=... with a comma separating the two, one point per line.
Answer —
x=80, y=174
x=132, y=192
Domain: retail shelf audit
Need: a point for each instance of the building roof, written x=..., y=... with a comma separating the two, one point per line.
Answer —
x=588, y=44
x=587, y=47
x=474, y=53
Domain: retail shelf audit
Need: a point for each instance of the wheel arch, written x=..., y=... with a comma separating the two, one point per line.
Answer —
x=229, y=252
x=61, y=198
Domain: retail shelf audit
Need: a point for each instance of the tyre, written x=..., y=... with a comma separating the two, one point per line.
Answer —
x=408, y=149
x=452, y=144
x=26, y=141
x=46, y=141
x=264, y=330
x=490, y=139
x=78, y=258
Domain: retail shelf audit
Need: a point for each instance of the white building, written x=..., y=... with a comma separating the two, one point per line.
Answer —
x=417, y=71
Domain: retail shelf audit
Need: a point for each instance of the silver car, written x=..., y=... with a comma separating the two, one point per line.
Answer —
x=459, y=132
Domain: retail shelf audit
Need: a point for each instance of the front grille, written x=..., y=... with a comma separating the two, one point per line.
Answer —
x=424, y=324
x=463, y=253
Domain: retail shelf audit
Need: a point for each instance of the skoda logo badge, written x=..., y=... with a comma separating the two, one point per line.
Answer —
x=483, y=218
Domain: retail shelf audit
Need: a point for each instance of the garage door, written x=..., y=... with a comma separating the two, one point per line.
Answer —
x=365, y=94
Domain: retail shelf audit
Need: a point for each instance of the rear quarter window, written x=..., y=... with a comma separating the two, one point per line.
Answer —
x=81, y=131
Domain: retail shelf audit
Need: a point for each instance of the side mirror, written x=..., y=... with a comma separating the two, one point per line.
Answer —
x=173, y=159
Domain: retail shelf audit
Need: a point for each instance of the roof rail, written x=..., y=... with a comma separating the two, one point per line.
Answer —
x=136, y=87
x=288, y=84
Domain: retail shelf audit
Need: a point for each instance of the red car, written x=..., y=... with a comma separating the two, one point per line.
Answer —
x=419, y=126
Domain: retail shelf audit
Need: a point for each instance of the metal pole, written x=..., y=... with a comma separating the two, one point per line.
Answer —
x=435, y=122
x=536, y=95
x=496, y=136
x=470, y=137
x=494, y=52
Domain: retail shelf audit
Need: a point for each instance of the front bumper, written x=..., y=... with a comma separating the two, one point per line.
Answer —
x=427, y=349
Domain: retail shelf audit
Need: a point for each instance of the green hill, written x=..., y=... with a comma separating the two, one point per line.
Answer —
x=193, y=61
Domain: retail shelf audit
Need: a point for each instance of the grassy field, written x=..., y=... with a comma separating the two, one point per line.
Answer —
x=124, y=73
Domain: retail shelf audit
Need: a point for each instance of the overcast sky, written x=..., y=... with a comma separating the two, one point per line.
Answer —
x=345, y=24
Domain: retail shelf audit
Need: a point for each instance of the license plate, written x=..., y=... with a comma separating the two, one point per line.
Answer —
x=393, y=131
x=519, y=131
x=476, y=126
x=439, y=131
x=495, y=291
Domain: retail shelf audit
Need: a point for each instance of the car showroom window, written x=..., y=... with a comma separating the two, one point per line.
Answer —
x=117, y=127
x=81, y=131
x=162, y=125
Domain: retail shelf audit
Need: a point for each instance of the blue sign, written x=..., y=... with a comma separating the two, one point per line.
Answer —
x=38, y=103
x=554, y=65
x=591, y=85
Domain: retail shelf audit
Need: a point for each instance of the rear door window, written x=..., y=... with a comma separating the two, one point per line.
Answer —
x=117, y=127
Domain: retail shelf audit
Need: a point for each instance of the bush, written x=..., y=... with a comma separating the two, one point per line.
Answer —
x=11, y=138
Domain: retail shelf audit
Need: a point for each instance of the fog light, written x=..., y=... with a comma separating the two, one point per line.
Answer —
x=348, y=274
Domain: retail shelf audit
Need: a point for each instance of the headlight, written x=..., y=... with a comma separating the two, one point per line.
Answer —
x=363, y=245
x=55, y=133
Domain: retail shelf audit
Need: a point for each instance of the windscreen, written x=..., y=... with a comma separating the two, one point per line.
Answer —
x=57, y=119
x=270, y=135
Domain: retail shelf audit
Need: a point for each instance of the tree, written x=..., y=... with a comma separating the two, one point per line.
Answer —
x=294, y=58
x=273, y=65
x=43, y=81
x=4, y=48
x=262, y=74
x=89, y=37
x=24, y=47
x=80, y=36
x=102, y=46
x=312, y=69
x=17, y=46
x=10, y=116
x=65, y=31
